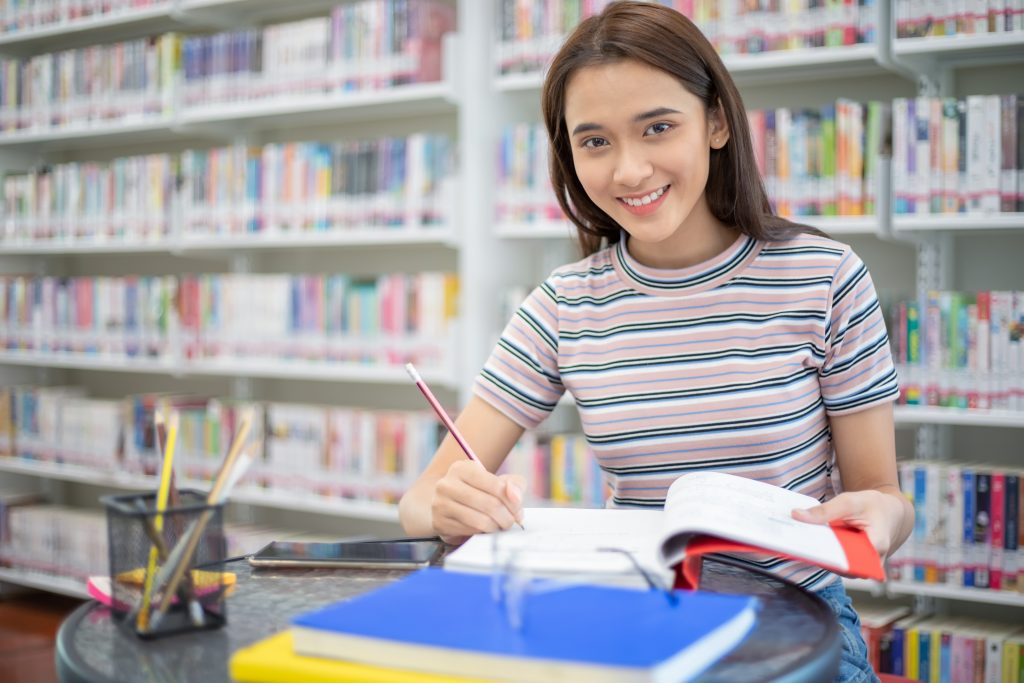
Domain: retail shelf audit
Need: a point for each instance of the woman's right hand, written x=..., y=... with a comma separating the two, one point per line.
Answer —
x=470, y=500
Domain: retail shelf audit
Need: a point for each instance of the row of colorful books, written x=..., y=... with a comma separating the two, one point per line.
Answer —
x=369, y=43
x=530, y=31
x=925, y=647
x=17, y=16
x=961, y=349
x=363, y=45
x=968, y=529
x=292, y=188
x=820, y=162
x=954, y=155
x=389, y=319
x=930, y=19
x=335, y=452
x=558, y=468
x=128, y=81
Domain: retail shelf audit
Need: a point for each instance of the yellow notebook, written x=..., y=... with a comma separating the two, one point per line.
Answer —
x=273, y=660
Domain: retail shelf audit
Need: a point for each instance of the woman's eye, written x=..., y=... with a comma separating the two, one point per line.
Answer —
x=657, y=128
x=594, y=143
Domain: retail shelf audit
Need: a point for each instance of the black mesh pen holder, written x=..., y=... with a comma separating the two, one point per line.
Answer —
x=166, y=568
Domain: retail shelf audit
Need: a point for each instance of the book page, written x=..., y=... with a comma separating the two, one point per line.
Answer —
x=748, y=511
x=566, y=541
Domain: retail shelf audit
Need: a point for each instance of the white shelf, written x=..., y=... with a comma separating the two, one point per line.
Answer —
x=54, y=584
x=519, y=82
x=92, y=134
x=84, y=247
x=841, y=225
x=272, y=369
x=112, y=26
x=912, y=415
x=961, y=222
x=281, y=500
x=833, y=225
x=778, y=66
x=86, y=362
x=417, y=99
x=937, y=590
x=224, y=121
x=983, y=48
x=77, y=473
x=383, y=512
x=781, y=66
x=537, y=230
x=361, y=237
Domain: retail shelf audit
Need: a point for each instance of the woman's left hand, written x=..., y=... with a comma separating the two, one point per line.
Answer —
x=879, y=514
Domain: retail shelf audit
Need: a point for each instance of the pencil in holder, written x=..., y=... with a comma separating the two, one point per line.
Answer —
x=166, y=567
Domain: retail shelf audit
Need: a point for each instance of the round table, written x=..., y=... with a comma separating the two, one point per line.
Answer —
x=796, y=637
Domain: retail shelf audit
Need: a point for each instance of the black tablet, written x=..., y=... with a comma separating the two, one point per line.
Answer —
x=388, y=554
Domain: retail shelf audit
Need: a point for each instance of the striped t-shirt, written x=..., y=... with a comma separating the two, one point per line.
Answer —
x=733, y=364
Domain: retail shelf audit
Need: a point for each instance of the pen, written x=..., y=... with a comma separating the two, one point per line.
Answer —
x=443, y=416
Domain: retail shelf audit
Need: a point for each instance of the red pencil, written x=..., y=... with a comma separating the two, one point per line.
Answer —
x=443, y=416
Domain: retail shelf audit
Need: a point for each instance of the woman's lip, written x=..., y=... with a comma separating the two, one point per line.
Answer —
x=645, y=209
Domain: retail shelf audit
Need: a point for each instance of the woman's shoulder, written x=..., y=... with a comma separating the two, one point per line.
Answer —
x=589, y=269
x=809, y=247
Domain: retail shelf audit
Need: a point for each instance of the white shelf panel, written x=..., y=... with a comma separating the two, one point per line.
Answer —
x=961, y=222
x=384, y=512
x=77, y=473
x=223, y=121
x=834, y=225
x=367, y=237
x=979, y=48
x=536, y=230
x=84, y=362
x=519, y=82
x=60, y=248
x=54, y=584
x=778, y=66
x=281, y=500
x=112, y=26
x=329, y=372
x=281, y=369
x=841, y=225
x=912, y=415
x=936, y=590
x=92, y=134
x=413, y=100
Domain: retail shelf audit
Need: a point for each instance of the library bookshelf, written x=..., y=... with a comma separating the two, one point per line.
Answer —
x=472, y=101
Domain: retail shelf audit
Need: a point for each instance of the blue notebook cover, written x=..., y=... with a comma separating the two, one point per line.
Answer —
x=448, y=622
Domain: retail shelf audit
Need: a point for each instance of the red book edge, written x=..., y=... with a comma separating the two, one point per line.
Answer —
x=860, y=554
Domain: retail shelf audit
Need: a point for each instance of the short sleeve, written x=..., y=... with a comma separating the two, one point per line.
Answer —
x=521, y=378
x=857, y=372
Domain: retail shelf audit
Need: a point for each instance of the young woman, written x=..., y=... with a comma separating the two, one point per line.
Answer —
x=699, y=331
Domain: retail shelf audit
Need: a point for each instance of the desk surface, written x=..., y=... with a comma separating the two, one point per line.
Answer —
x=796, y=637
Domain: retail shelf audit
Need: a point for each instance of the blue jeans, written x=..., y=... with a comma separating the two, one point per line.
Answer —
x=853, y=664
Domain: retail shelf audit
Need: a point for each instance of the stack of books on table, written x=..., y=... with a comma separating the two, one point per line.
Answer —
x=435, y=624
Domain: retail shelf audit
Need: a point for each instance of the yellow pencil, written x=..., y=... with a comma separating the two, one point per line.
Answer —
x=163, y=493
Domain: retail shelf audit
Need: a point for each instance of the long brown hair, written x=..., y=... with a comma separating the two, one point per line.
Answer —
x=665, y=39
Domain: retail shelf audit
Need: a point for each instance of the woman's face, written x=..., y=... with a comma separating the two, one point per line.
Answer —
x=641, y=146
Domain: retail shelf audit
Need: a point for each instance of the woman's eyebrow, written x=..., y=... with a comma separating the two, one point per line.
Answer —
x=643, y=116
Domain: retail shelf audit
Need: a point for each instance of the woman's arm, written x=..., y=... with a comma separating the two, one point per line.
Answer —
x=455, y=497
x=865, y=445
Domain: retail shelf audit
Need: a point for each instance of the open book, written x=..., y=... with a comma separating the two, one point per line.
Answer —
x=705, y=512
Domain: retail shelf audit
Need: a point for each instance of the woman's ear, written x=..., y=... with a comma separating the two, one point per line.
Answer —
x=718, y=126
